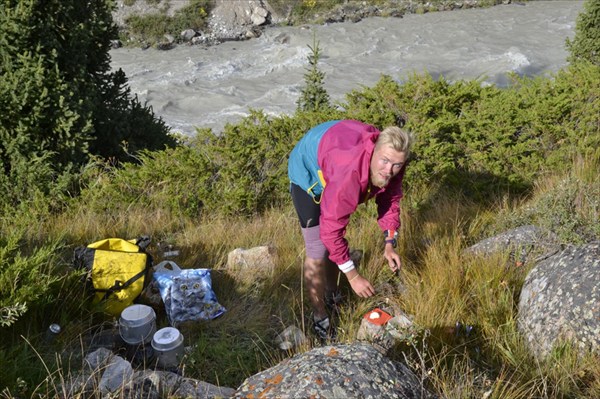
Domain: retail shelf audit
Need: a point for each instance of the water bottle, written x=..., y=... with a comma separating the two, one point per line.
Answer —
x=52, y=332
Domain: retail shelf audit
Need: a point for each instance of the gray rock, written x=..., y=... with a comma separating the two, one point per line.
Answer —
x=282, y=38
x=161, y=384
x=186, y=36
x=251, y=34
x=98, y=358
x=259, y=16
x=382, y=336
x=290, y=338
x=190, y=388
x=261, y=11
x=261, y=259
x=144, y=385
x=560, y=300
x=340, y=371
x=375, y=334
x=525, y=243
x=117, y=375
x=204, y=39
x=168, y=382
x=231, y=20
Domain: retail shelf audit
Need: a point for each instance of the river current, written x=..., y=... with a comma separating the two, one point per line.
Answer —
x=196, y=86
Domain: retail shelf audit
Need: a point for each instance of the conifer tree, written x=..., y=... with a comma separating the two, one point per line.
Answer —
x=61, y=103
x=313, y=96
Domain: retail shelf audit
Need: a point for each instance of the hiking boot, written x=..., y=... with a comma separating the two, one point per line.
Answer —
x=333, y=302
x=324, y=329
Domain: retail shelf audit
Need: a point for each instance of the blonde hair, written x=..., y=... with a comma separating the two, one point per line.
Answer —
x=399, y=139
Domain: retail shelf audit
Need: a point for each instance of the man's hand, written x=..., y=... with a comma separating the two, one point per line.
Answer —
x=392, y=257
x=361, y=286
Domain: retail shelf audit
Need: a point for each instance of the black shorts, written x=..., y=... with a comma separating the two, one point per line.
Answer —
x=307, y=209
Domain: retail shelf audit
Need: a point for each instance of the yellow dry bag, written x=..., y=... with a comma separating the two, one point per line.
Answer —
x=117, y=270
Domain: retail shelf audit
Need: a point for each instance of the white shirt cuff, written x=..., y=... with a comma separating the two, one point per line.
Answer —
x=347, y=266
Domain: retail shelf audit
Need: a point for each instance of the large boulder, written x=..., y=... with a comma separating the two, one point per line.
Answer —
x=340, y=371
x=525, y=243
x=560, y=301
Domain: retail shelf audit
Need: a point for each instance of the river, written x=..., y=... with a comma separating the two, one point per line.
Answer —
x=196, y=86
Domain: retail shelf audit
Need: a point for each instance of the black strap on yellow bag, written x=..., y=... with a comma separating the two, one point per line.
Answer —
x=117, y=270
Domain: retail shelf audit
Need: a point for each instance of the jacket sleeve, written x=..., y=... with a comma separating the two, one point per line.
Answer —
x=339, y=200
x=388, y=204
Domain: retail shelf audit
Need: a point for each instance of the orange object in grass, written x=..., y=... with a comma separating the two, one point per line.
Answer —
x=377, y=316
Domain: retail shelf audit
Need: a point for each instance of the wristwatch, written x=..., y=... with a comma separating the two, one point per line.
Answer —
x=391, y=237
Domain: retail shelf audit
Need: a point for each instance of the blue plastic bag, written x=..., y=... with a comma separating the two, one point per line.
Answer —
x=186, y=293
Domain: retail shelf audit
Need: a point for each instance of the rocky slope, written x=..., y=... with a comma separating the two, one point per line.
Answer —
x=245, y=19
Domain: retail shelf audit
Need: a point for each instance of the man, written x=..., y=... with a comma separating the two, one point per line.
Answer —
x=336, y=166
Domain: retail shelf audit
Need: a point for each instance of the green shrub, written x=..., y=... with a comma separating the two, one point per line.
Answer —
x=178, y=179
x=252, y=161
x=194, y=16
x=307, y=10
x=241, y=171
x=29, y=181
x=585, y=46
x=36, y=290
x=24, y=277
x=571, y=128
x=432, y=110
x=378, y=104
x=152, y=27
x=497, y=139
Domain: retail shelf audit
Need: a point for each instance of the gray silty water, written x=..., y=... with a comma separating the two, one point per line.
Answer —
x=194, y=86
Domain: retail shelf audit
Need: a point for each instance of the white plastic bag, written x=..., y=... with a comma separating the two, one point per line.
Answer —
x=186, y=293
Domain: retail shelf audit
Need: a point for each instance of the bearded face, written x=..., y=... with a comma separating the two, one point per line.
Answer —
x=385, y=164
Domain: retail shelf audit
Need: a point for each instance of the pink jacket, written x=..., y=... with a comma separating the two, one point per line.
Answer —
x=344, y=155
